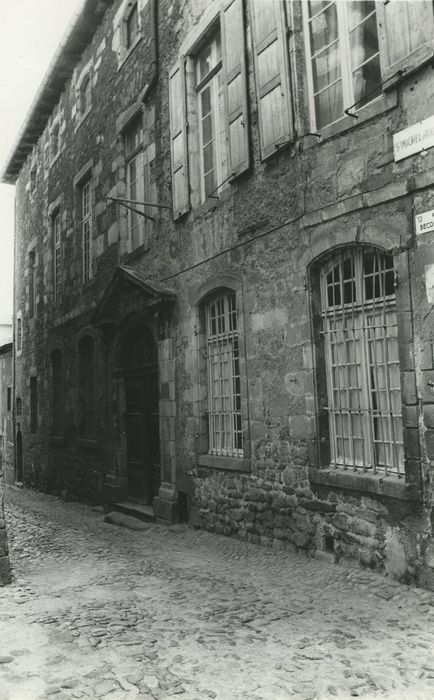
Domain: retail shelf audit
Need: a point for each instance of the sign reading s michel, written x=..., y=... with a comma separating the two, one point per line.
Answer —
x=416, y=138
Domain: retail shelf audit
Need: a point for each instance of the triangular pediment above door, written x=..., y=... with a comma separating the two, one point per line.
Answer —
x=130, y=291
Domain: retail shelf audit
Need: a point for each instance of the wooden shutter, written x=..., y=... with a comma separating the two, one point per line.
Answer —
x=178, y=140
x=269, y=33
x=234, y=64
x=405, y=34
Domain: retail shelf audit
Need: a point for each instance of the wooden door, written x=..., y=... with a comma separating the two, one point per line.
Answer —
x=143, y=438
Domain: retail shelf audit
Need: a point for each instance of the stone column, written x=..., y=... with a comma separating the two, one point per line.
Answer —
x=5, y=569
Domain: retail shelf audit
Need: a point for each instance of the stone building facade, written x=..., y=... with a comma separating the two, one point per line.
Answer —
x=6, y=406
x=223, y=302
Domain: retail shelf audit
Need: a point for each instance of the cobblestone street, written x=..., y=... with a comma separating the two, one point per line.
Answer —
x=99, y=611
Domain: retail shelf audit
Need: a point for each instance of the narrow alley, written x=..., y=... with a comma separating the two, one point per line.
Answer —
x=99, y=611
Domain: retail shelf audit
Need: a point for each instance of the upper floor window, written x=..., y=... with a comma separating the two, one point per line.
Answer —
x=19, y=332
x=32, y=283
x=223, y=372
x=55, y=141
x=57, y=253
x=208, y=106
x=135, y=182
x=85, y=95
x=361, y=361
x=86, y=228
x=343, y=57
x=211, y=115
x=131, y=26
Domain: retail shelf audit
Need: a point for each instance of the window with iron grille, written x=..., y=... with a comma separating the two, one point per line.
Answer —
x=57, y=253
x=56, y=392
x=359, y=327
x=87, y=387
x=223, y=371
x=33, y=404
x=86, y=229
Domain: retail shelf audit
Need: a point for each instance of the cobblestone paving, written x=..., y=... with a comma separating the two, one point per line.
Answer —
x=99, y=611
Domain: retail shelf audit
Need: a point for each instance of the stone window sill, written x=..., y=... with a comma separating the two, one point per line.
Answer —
x=382, y=104
x=236, y=464
x=378, y=484
x=82, y=119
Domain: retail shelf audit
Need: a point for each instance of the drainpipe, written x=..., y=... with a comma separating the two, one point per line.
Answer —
x=154, y=52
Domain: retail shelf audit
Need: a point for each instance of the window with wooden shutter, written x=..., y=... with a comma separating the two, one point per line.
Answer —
x=178, y=139
x=234, y=66
x=269, y=32
x=406, y=35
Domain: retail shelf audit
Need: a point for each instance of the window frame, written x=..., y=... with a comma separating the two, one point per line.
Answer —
x=321, y=472
x=32, y=283
x=19, y=332
x=55, y=139
x=86, y=228
x=346, y=75
x=225, y=284
x=136, y=156
x=56, y=239
x=33, y=402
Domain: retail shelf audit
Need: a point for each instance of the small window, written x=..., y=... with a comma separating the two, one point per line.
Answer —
x=19, y=334
x=86, y=228
x=32, y=283
x=33, y=173
x=361, y=355
x=223, y=372
x=57, y=253
x=33, y=404
x=55, y=141
x=132, y=26
x=85, y=95
x=19, y=406
x=56, y=392
x=343, y=57
x=9, y=399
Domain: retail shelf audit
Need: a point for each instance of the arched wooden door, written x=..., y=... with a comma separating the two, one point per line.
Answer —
x=140, y=367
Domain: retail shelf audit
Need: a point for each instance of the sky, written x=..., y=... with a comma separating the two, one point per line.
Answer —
x=30, y=32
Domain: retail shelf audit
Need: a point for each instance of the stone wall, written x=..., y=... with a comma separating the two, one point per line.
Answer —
x=5, y=569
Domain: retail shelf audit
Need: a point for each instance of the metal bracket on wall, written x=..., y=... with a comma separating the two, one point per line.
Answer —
x=127, y=202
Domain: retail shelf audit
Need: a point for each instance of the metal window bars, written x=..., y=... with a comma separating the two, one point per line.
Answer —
x=223, y=368
x=362, y=362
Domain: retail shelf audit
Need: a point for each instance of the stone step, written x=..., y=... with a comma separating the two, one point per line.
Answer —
x=135, y=510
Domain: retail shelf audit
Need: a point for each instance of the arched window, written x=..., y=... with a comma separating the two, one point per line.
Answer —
x=85, y=95
x=86, y=353
x=223, y=375
x=56, y=392
x=361, y=356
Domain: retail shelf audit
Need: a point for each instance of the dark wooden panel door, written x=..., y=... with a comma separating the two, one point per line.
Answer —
x=143, y=439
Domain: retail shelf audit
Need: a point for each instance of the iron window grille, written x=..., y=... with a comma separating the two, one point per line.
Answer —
x=359, y=326
x=223, y=370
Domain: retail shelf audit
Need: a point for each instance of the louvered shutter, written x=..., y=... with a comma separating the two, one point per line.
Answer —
x=178, y=140
x=234, y=64
x=406, y=36
x=269, y=33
